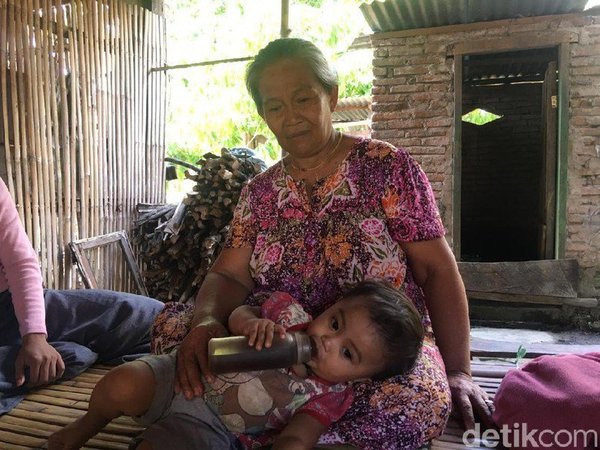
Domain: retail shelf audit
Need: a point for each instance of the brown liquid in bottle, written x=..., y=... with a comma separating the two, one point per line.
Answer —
x=233, y=354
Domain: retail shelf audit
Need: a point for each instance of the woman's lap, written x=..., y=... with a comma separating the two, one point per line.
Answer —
x=403, y=412
x=400, y=413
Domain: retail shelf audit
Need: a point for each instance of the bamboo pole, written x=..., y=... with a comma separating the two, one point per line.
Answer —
x=152, y=100
x=163, y=107
x=32, y=209
x=106, y=64
x=21, y=166
x=126, y=99
x=48, y=153
x=32, y=83
x=122, y=142
x=116, y=115
x=88, y=118
x=85, y=188
x=16, y=119
x=55, y=161
x=107, y=140
x=43, y=126
x=4, y=94
x=110, y=17
x=139, y=152
x=147, y=101
x=92, y=119
x=65, y=143
x=93, y=29
x=73, y=135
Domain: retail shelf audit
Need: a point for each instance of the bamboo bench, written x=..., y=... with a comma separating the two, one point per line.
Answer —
x=47, y=409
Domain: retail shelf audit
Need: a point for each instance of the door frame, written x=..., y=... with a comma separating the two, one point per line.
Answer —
x=560, y=40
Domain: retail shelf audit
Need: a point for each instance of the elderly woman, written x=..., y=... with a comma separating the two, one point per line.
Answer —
x=334, y=211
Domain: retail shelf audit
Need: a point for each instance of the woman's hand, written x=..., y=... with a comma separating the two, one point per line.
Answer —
x=260, y=332
x=192, y=357
x=44, y=362
x=470, y=400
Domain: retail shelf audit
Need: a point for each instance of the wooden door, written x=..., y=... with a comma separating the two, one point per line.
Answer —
x=548, y=180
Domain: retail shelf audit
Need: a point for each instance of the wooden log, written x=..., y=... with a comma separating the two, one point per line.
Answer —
x=502, y=349
x=549, y=282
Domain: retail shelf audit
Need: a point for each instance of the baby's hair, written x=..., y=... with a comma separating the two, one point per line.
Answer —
x=397, y=321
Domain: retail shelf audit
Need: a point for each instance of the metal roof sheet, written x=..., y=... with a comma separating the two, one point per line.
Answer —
x=352, y=109
x=395, y=15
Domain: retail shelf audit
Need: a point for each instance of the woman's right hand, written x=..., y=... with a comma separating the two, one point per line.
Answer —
x=192, y=357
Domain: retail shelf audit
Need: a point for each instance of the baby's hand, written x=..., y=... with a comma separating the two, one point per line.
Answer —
x=260, y=332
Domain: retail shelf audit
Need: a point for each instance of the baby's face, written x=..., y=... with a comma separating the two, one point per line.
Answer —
x=347, y=343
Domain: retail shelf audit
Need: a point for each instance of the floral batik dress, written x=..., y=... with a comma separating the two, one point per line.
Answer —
x=349, y=229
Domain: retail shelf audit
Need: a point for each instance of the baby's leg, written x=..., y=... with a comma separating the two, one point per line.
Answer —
x=125, y=390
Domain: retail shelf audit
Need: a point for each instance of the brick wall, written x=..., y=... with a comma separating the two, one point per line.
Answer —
x=413, y=104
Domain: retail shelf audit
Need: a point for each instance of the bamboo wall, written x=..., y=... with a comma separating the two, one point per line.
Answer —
x=81, y=123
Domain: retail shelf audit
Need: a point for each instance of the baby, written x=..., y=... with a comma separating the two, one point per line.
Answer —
x=372, y=332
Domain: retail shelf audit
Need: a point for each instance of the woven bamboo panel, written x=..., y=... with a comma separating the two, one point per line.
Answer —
x=81, y=124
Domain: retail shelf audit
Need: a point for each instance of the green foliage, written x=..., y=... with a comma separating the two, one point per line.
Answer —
x=313, y=3
x=208, y=106
x=480, y=117
x=521, y=352
x=352, y=85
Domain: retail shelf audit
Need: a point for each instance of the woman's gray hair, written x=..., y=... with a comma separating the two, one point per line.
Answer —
x=288, y=48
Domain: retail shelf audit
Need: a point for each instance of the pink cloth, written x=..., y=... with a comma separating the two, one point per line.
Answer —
x=552, y=393
x=20, y=269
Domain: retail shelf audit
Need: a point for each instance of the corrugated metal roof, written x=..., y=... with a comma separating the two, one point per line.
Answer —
x=352, y=109
x=395, y=15
x=506, y=67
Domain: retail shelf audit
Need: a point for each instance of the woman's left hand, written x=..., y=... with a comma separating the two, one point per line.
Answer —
x=470, y=401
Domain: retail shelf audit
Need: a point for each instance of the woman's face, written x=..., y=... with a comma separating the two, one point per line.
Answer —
x=296, y=107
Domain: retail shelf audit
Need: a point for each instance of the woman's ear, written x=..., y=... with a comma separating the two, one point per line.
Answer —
x=333, y=98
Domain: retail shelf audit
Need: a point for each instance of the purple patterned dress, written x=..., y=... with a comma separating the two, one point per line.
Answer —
x=347, y=230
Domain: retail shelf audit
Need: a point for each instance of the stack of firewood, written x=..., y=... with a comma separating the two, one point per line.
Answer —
x=178, y=244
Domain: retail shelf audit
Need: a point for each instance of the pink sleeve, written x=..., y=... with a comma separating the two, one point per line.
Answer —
x=283, y=309
x=19, y=268
x=328, y=407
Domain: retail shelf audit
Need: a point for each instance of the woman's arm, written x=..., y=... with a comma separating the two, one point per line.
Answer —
x=301, y=433
x=224, y=288
x=436, y=272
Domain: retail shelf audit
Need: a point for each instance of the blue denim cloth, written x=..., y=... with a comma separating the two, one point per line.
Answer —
x=85, y=326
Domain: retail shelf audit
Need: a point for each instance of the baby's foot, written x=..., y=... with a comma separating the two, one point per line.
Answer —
x=71, y=437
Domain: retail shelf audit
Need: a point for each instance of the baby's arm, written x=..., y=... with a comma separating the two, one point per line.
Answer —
x=245, y=320
x=301, y=433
